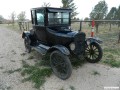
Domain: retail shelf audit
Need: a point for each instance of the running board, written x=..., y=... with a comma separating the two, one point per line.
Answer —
x=41, y=48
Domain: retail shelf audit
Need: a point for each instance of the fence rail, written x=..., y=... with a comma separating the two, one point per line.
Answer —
x=25, y=24
x=96, y=20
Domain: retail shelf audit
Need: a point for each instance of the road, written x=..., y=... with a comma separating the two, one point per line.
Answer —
x=11, y=50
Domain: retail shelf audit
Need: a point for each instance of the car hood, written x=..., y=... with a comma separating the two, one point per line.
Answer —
x=69, y=34
x=72, y=33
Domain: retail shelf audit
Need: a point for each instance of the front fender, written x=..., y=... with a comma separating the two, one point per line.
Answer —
x=93, y=39
x=25, y=33
x=61, y=48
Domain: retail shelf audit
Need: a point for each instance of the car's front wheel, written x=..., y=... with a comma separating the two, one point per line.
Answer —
x=61, y=65
x=93, y=53
x=27, y=44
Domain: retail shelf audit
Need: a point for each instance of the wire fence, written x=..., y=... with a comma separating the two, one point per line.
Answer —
x=83, y=25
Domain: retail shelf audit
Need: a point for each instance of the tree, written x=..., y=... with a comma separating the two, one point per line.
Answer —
x=99, y=12
x=1, y=19
x=22, y=16
x=12, y=17
x=70, y=5
x=112, y=15
x=46, y=4
x=118, y=15
x=86, y=18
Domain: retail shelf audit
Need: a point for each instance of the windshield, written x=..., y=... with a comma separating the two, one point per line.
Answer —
x=58, y=18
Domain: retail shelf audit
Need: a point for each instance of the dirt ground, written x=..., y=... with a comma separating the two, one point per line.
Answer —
x=87, y=77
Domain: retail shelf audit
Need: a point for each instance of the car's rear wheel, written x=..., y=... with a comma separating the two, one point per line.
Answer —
x=61, y=65
x=93, y=53
x=27, y=44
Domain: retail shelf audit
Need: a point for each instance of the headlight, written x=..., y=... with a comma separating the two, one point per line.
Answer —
x=72, y=46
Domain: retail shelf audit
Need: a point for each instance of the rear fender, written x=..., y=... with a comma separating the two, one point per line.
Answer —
x=25, y=33
x=61, y=48
x=93, y=40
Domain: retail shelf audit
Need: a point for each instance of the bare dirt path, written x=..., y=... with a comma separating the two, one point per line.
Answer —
x=11, y=50
x=87, y=77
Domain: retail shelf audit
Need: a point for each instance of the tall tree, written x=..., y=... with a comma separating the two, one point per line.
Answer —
x=118, y=18
x=22, y=16
x=112, y=15
x=12, y=17
x=1, y=19
x=71, y=5
x=46, y=4
x=118, y=15
x=99, y=12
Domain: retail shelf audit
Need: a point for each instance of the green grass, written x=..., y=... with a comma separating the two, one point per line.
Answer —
x=36, y=73
x=23, y=54
x=11, y=26
x=61, y=88
x=72, y=87
x=14, y=27
x=30, y=57
x=12, y=71
x=112, y=63
x=95, y=73
x=1, y=67
x=12, y=60
x=76, y=63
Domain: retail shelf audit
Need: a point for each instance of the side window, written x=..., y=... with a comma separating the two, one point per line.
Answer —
x=65, y=18
x=40, y=17
x=33, y=16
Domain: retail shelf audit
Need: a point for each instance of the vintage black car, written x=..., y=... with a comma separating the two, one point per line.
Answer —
x=51, y=33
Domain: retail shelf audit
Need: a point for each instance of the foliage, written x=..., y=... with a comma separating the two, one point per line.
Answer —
x=112, y=14
x=118, y=15
x=12, y=71
x=46, y=4
x=112, y=63
x=71, y=5
x=86, y=18
x=12, y=17
x=72, y=87
x=22, y=16
x=95, y=72
x=36, y=73
x=1, y=19
x=99, y=12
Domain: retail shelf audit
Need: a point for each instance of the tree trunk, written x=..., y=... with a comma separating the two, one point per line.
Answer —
x=119, y=37
x=97, y=28
x=110, y=27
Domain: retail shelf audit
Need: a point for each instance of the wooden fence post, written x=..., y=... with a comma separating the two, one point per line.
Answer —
x=119, y=36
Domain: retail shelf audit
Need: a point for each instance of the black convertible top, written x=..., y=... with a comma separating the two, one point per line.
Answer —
x=52, y=9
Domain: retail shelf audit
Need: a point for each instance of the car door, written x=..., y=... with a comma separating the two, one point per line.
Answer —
x=40, y=25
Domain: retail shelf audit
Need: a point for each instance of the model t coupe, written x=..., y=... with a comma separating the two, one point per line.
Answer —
x=51, y=33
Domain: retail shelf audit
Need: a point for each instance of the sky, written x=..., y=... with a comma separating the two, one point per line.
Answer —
x=84, y=6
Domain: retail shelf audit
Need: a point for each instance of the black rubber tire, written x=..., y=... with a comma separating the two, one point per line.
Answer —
x=99, y=56
x=27, y=44
x=59, y=63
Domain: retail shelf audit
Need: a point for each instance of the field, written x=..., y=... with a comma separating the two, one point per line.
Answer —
x=40, y=69
x=110, y=45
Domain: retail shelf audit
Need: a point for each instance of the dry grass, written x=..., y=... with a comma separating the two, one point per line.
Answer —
x=111, y=47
